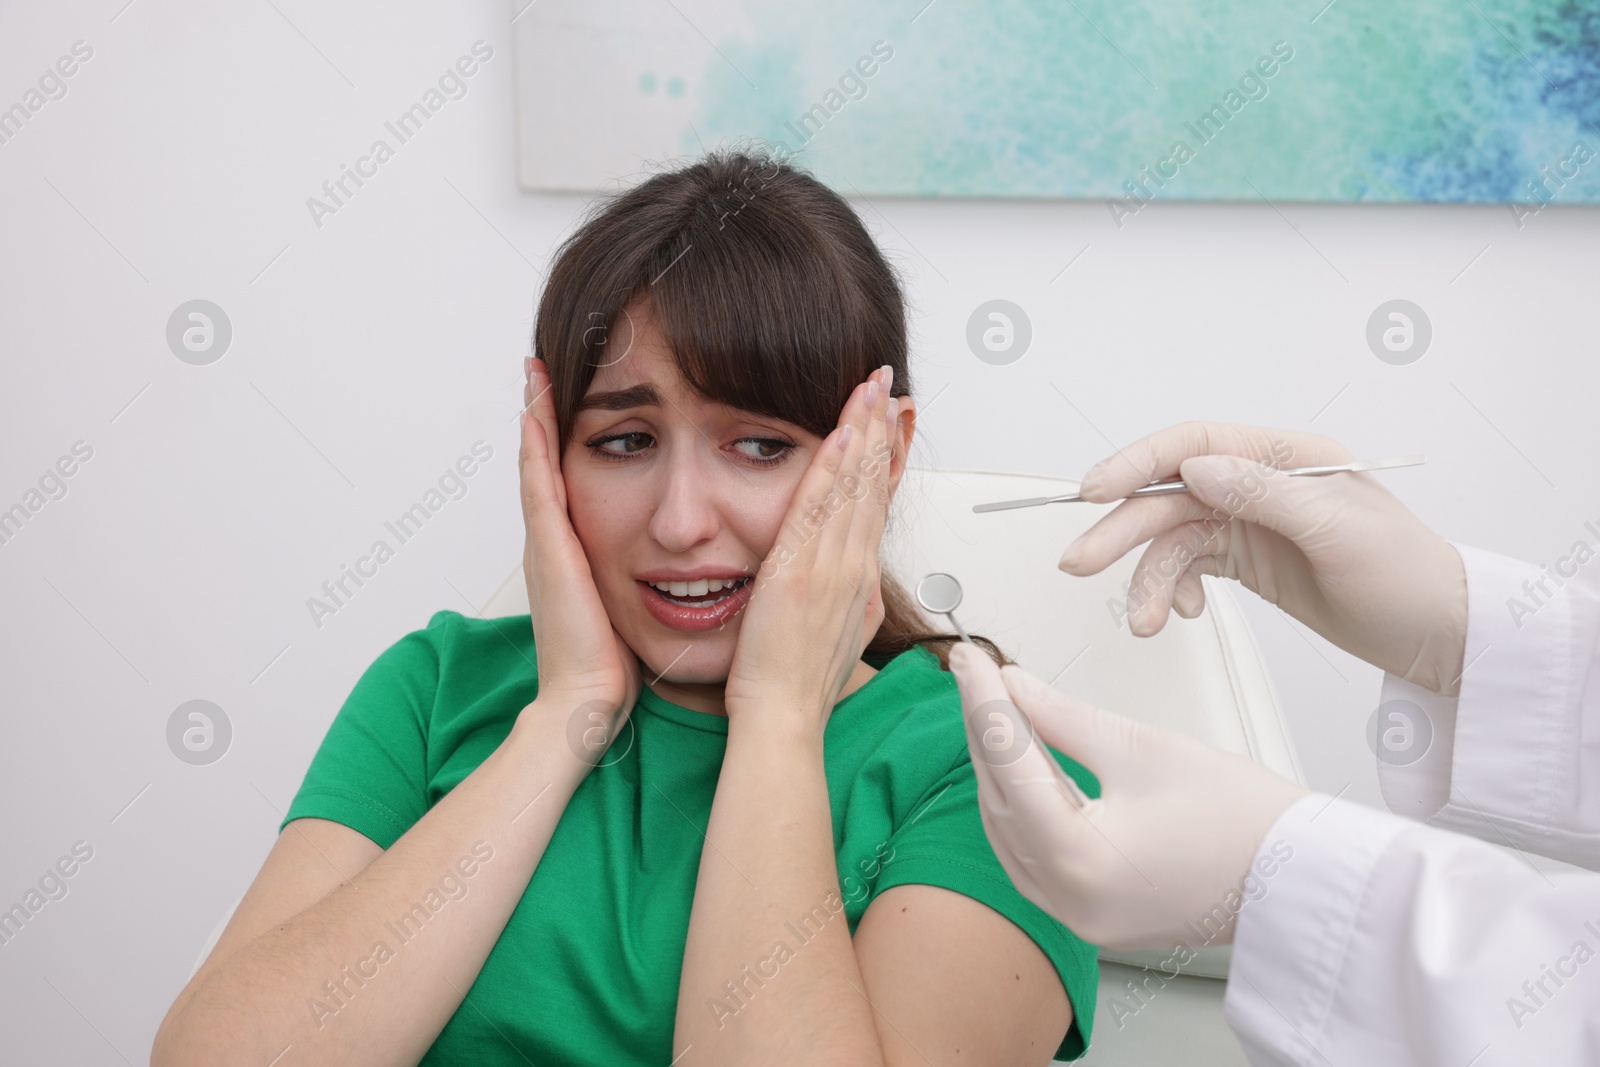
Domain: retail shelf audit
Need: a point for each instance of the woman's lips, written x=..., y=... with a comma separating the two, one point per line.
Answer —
x=688, y=618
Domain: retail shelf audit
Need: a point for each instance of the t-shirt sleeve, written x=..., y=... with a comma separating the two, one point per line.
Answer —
x=943, y=843
x=371, y=771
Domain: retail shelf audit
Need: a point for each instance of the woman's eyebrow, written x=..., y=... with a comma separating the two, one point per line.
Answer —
x=635, y=396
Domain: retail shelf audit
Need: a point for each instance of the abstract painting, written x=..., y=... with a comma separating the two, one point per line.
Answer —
x=1118, y=100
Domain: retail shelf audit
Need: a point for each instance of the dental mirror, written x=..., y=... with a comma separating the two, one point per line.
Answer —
x=940, y=594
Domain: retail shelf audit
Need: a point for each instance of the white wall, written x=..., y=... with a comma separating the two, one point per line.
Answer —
x=374, y=351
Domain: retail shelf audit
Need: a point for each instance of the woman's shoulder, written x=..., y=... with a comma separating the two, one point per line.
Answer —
x=478, y=625
x=489, y=651
x=455, y=655
x=911, y=707
x=420, y=718
x=451, y=633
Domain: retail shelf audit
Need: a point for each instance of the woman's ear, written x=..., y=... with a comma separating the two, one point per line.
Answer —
x=900, y=441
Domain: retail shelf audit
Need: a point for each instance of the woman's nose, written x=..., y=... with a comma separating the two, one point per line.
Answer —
x=686, y=514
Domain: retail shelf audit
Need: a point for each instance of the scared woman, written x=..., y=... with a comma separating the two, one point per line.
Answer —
x=712, y=800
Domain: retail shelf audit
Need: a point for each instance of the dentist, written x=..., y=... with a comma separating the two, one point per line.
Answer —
x=1382, y=939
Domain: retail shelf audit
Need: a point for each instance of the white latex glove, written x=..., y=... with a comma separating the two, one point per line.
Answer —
x=1339, y=552
x=1169, y=841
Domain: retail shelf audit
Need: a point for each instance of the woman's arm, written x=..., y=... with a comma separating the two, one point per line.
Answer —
x=371, y=972
x=772, y=974
x=310, y=859
x=769, y=971
x=952, y=981
x=767, y=933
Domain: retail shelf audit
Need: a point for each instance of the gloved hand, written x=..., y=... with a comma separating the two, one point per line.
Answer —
x=1339, y=552
x=1175, y=828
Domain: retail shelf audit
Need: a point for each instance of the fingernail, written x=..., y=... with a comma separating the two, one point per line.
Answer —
x=894, y=409
x=1018, y=679
x=1091, y=481
x=1138, y=625
x=1209, y=471
x=959, y=664
x=1073, y=554
x=872, y=393
x=888, y=376
x=1027, y=690
x=844, y=436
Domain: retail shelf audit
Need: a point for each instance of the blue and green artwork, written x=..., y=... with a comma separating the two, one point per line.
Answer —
x=1121, y=100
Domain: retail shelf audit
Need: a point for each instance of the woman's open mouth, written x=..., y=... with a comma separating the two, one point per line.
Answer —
x=696, y=605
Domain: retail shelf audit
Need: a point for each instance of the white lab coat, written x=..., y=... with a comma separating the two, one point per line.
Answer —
x=1389, y=940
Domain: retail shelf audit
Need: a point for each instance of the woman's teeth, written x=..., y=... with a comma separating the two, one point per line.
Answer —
x=698, y=588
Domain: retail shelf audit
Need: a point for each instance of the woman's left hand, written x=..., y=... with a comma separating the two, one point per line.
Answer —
x=816, y=602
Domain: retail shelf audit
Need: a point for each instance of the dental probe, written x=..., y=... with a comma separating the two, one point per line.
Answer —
x=1176, y=485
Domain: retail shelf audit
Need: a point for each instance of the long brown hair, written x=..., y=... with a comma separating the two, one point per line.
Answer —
x=768, y=290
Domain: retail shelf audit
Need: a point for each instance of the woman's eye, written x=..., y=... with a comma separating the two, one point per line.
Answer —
x=763, y=449
x=623, y=444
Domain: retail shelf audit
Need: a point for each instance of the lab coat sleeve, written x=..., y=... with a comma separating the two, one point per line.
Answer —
x=1379, y=940
x=1508, y=759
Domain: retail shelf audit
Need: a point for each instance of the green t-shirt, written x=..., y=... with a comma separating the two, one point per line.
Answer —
x=587, y=968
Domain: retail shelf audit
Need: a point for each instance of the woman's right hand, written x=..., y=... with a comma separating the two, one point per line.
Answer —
x=1340, y=553
x=586, y=670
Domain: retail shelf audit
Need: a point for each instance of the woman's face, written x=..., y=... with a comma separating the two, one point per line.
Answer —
x=676, y=500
